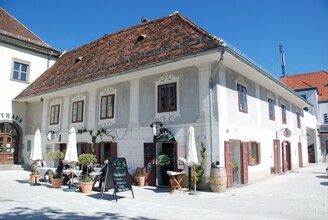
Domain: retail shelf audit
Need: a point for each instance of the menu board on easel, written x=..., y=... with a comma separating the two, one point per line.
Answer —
x=117, y=176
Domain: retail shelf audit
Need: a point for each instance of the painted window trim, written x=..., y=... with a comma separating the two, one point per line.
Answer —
x=20, y=61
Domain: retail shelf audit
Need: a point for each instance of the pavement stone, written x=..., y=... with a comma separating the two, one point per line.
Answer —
x=298, y=194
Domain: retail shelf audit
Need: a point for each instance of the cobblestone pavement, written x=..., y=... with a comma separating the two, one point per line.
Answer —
x=299, y=194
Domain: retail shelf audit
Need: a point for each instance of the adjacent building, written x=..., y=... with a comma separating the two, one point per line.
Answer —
x=314, y=88
x=23, y=58
x=173, y=73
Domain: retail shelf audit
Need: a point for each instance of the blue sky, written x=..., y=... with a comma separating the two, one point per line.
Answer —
x=255, y=27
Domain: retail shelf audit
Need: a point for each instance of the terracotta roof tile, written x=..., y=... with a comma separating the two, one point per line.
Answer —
x=11, y=27
x=317, y=80
x=147, y=43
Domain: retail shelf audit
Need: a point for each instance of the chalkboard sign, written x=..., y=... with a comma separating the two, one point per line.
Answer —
x=117, y=177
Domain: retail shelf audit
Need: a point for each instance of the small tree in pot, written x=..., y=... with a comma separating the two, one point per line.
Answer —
x=87, y=182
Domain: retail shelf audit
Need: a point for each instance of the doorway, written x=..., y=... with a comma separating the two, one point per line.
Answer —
x=276, y=157
x=286, y=156
x=9, y=141
x=170, y=149
x=236, y=152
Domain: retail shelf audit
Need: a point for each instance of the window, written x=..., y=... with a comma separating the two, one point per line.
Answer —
x=298, y=120
x=283, y=114
x=271, y=109
x=107, y=107
x=304, y=96
x=242, y=98
x=254, y=153
x=77, y=111
x=325, y=118
x=54, y=114
x=167, y=97
x=20, y=71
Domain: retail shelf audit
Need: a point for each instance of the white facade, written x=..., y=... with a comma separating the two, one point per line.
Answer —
x=135, y=109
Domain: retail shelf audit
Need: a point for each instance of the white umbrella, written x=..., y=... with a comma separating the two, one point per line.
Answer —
x=36, y=152
x=192, y=159
x=71, y=151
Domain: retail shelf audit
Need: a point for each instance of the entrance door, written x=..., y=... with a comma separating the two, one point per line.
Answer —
x=286, y=158
x=171, y=150
x=276, y=156
x=244, y=162
x=228, y=162
x=8, y=143
x=300, y=155
x=6, y=149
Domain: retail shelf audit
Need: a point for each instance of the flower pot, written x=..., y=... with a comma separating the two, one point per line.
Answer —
x=35, y=178
x=86, y=187
x=56, y=182
x=141, y=180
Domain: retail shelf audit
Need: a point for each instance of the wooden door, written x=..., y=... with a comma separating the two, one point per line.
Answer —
x=276, y=156
x=300, y=155
x=244, y=162
x=228, y=162
x=288, y=156
x=150, y=164
x=6, y=149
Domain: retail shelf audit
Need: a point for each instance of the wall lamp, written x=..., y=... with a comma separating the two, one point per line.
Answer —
x=306, y=137
x=286, y=132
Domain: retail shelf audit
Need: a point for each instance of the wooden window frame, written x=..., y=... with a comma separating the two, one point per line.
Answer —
x=272, y=114
x=107, y=116
x=54, y=114
x=75, y=107
x=254, y=155
x=283, y=114
x=242, y=98
x=167, y=105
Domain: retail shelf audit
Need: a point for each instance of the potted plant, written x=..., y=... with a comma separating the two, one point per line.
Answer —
x=140, y=176
x=55, y=156
x=164, y=161
x=87, y=182
x=235, y=166
x=35, y=175
x=56, y=180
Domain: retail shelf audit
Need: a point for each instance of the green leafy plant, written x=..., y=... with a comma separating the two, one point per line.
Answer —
x=87, y=158
x=55, y=155
x=200, y=169
x=86, y=179
x=140, y=173
x=235, y=166
x=57, y=175
x=163, y=160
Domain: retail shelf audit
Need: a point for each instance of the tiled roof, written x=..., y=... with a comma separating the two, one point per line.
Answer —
x=317, y=80
x=11, y=27
x=144, y=44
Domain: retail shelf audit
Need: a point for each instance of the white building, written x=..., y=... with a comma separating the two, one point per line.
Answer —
x=169, y=70
x=314, y=88
x=23, y=58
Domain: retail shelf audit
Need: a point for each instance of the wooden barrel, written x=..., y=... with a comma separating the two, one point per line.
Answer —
x=218, y=179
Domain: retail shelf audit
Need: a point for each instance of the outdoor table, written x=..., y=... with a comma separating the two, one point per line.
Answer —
x=43, y=171
x=94, y=175
x=176, y=178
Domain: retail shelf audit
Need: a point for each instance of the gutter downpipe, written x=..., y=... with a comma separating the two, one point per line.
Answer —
x=210, y=85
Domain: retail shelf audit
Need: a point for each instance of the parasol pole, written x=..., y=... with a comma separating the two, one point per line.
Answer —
x=194, y=178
